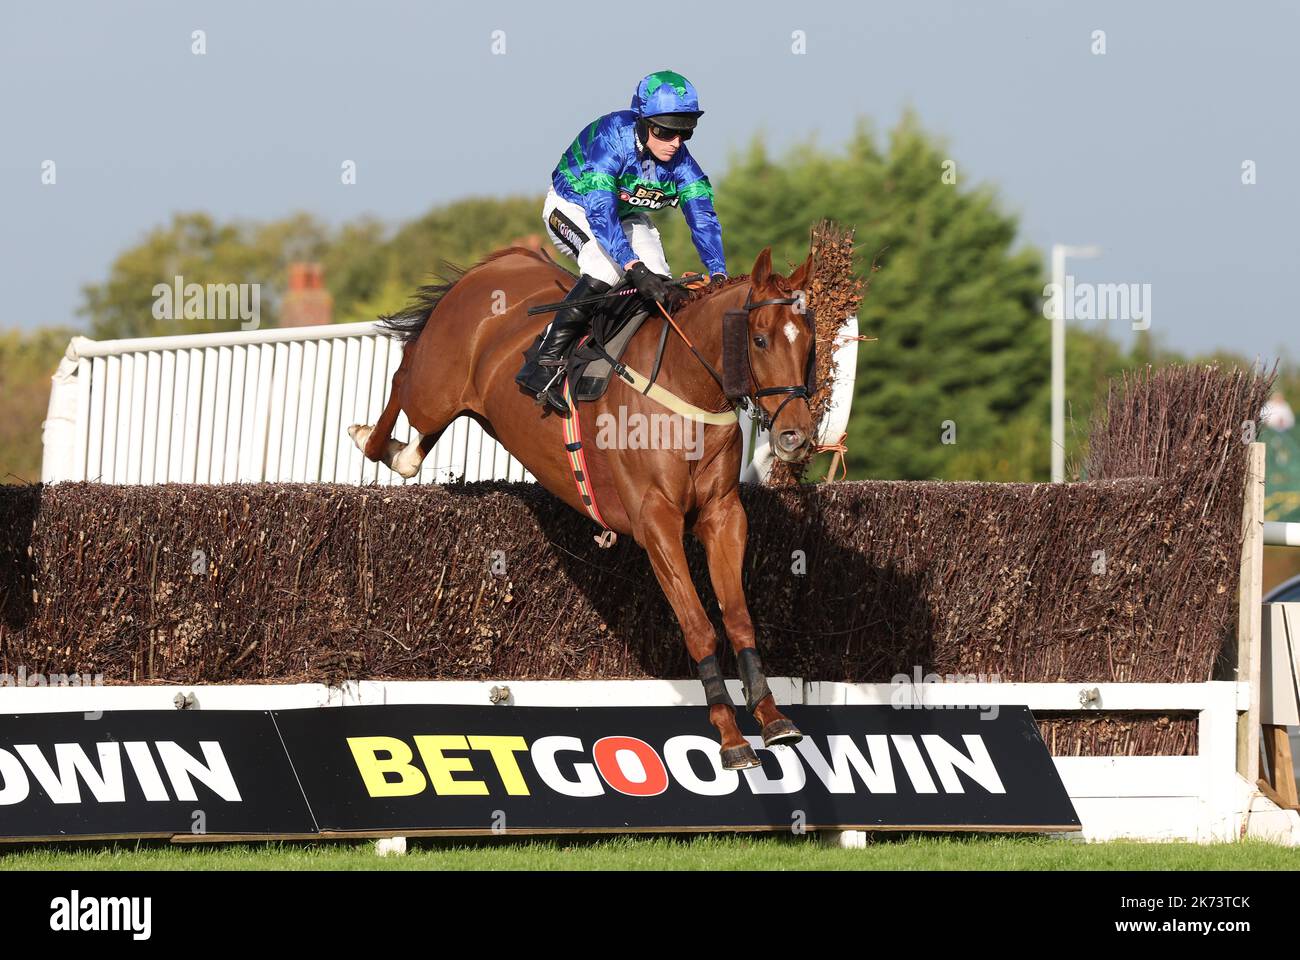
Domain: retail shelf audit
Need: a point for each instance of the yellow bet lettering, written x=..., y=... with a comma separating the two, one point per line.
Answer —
x=373, y=768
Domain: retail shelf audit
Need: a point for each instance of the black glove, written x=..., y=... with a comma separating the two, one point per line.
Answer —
x=648, y=283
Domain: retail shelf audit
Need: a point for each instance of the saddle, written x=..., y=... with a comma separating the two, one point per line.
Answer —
x=590, y=360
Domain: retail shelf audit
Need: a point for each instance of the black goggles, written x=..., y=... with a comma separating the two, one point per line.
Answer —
x=669, y=133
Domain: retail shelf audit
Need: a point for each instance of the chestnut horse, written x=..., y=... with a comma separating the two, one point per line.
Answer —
x=463, y=345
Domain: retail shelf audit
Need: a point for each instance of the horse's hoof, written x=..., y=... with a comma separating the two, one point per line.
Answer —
x=781, y=733
x=739, y=758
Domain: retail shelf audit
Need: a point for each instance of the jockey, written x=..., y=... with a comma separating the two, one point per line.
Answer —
x=619, y=168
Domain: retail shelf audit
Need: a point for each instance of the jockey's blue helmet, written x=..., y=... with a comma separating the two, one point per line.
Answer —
x=669, y=99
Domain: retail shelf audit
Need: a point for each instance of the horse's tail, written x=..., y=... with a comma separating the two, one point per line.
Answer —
x=406, y=324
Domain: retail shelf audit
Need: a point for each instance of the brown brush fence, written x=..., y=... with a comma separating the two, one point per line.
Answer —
x=1129, y=576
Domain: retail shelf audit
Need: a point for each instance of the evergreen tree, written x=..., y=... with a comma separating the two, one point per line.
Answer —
x=962, y=348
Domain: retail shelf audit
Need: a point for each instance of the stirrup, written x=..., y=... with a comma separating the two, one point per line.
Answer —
x=544, y=396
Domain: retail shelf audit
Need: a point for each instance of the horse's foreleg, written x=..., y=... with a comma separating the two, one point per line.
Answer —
x=723, y=528
x=662, y=526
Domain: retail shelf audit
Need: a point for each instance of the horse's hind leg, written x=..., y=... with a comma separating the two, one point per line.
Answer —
x=661, y=535
x=403, y=459
x=377, y=442
x=723, y=528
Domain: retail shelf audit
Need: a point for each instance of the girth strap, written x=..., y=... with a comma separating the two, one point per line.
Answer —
x=670, y=400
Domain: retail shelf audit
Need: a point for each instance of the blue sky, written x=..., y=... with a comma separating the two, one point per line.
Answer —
x=1138, y=150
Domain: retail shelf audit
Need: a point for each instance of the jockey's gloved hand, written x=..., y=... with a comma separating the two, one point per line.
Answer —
x=648, y=283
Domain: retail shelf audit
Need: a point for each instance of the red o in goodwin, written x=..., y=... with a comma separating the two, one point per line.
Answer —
x=653, y=774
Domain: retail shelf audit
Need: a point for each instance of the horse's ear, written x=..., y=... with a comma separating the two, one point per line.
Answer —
x=802, y=276
x=762, y=269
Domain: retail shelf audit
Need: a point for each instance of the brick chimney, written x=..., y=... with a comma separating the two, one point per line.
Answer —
x=306, y=303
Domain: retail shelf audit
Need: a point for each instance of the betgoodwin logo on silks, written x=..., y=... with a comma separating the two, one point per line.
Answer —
x=650, y=198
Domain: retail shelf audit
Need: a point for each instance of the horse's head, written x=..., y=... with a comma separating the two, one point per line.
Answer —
x=781, y=340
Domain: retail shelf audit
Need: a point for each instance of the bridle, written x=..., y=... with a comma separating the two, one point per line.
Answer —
x=737, y=376
x=736, y=381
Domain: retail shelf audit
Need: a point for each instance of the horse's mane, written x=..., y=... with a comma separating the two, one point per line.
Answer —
x=706, y=293
x=781, y=283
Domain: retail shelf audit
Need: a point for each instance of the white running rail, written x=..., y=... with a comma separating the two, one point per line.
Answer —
x=252, y=405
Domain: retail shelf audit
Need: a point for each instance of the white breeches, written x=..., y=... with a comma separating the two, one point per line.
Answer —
x=576, y=239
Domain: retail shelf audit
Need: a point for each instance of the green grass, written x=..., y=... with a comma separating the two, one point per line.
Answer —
x=704, y=852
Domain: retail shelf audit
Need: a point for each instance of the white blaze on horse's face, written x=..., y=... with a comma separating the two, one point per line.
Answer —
x=790, y=330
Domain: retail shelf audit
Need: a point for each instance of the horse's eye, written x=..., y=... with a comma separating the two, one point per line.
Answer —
x=760, y=340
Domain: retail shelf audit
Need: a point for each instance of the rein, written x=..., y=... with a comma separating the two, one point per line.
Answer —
x=687, y=340
x=746, y=398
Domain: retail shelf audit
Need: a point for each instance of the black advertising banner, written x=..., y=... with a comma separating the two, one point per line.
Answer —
x=424, y=769
x=493, y=769
x=146, y=773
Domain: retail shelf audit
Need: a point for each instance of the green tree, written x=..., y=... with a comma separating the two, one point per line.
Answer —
x=27, y=361
x=193, y=246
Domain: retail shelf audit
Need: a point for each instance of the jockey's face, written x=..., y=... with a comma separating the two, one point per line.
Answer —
x=663, y=150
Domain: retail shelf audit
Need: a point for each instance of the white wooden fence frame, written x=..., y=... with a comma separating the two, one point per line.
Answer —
x=241, y=406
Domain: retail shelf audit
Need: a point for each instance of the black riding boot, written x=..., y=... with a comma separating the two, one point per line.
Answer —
x=547, y=370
